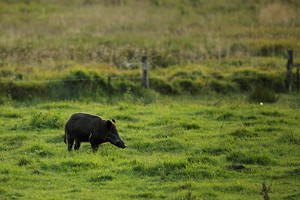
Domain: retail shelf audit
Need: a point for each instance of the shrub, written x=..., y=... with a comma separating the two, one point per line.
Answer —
x=244, y=79
x=223, y=87
x=127, y=86
x=263, y=94
x=187, y=85
x=162, y=86
x=25, y=91
x=273, y=82
x=79, y=83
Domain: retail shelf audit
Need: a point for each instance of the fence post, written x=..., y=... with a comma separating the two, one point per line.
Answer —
x=109, y=86
x=298, y=81
x=145, y=70
x=289, y=72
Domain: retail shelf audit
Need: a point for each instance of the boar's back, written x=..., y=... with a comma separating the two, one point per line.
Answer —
x=81, y=125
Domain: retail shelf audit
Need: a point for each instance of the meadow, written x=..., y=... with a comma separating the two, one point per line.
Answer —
x=193, y=47
x=216, y=123
x=178, y=148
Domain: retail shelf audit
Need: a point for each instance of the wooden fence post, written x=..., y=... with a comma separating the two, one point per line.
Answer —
x=289, y=72
x=145, y=74
x=298, y=81
x=109, y=86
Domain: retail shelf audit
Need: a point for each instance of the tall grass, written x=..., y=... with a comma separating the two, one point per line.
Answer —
x=100, y=81
x=170, y=32
x=221, y=46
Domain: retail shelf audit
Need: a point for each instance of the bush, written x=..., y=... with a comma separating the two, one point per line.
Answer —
x=187, y=85
x=263, y=94
x=125, y=86
x=272, y=81
x=223, y=87
x=23, y=91
x=162, y=86
x=245, y=79
x=81, y=82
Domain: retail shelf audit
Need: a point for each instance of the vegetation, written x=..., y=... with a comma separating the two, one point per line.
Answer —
x=193, y=46
x=216, y=123
x=170, y=32
x=96, y=82
x=210, y=148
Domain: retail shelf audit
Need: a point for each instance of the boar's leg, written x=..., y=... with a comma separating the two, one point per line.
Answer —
x=70, y=142
x=95, y=147
x=77, y=145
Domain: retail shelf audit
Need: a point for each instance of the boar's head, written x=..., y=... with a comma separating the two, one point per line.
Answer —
x=113, y=134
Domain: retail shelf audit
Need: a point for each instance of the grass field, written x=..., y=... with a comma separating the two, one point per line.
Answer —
x=178, y=148
x=216, y=123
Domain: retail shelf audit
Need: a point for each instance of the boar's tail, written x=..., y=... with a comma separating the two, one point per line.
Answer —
x=65, y=138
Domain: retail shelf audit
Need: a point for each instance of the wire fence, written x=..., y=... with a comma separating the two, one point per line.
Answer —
x=242, y=79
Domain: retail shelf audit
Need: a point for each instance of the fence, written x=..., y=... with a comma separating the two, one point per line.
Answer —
x=289, y=72
x=176, y=84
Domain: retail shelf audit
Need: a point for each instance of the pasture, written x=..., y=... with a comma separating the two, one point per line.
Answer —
x=206, y=147
x=216, y=123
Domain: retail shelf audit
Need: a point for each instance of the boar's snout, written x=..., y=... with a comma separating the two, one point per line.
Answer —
x=121, y=145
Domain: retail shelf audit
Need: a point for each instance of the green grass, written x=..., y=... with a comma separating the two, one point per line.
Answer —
x=80, y=82
x=179, y=148
x=210, y=57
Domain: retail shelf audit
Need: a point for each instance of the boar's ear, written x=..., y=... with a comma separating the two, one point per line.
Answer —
x=114, y=121
x=108, y=124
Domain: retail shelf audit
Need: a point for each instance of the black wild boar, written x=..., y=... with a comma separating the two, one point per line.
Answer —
x=83, y=127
